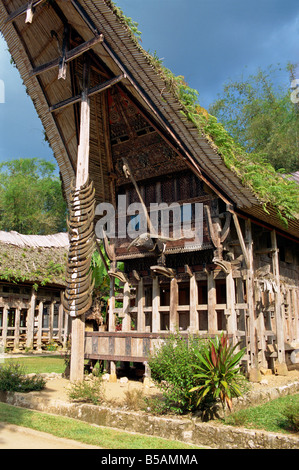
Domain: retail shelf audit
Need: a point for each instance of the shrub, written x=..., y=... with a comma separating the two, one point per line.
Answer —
x=218, y=366
x=88, y=391
x=292, y=415
x=173, y=371
x=13, y=379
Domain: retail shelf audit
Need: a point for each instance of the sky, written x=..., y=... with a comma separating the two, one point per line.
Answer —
x=209, y=42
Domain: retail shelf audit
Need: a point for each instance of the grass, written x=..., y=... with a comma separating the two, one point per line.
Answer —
x=271, y=416
x=69, y=428
x=40, y=364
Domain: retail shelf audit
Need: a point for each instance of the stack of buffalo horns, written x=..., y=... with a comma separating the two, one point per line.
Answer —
x=77, y=298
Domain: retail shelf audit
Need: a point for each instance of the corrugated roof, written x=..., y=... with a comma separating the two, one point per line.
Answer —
x=57, y=240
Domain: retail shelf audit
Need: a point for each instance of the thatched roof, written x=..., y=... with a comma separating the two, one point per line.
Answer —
x=114, y=52
x=34, y=259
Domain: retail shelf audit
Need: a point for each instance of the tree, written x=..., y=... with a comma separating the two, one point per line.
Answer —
x=262, y=118
x=31, y=200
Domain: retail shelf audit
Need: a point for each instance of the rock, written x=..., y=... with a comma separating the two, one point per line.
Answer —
x=112, y=378
x=255, y=375
x=264, y=382
x=123, y=381
x=106, y=377
x=281, y=369
x=265, y=371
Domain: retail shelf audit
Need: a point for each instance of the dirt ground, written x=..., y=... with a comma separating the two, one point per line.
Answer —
x=58, y=388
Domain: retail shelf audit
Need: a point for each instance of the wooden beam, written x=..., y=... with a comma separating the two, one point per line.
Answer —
x=140, y=305
x=194, y=323
x=212, y=301
x=21, y=10
x=90, y=92
x=17, y=329
x=78, y=322
x=251, y=338
x=174, y=301
x=156, y=305
x=30, y=320
x=279, y=320
x=241, y=240
x=70, y=55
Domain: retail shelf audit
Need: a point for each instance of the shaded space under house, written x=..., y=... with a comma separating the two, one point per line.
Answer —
x=121, y=128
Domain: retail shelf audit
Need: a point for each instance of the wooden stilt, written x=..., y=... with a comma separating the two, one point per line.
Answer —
x=60, y=322
x=51, y=320
x=230, y=307
x=261, y=338
x=278, y=313
x=111, y=318
x=194, y=320
x=40, y=325
x=30, y=320
x=156, y=305
x=17, y=329
x=173, y=310
x=251, y=338
x=126, y=324
x=140, y=305
x=78, y=323
x=295, y=305
x=4, y=331
x=212, y=300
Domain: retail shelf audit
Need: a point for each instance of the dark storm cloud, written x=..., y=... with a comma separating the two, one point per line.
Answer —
x=209, y=41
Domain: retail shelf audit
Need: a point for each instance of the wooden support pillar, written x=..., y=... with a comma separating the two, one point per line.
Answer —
x=51, y=319
x=60, y=322
x=251, y=339
x=230, y=307
x=279, y=320
x=140, y=305
x=156, y=305
x=66, y=329
x=174, y=301
x=194, y=320
x=78, y=323
x=212, y=300
x=4, y=330
x=261, y=334
x=126, y=323
x=295, y=305
x=111, y=316
x=17, y=329
x=40, y=325
x=30, y=320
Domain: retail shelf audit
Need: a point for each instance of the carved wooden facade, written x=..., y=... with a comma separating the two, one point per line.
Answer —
x=113, y=122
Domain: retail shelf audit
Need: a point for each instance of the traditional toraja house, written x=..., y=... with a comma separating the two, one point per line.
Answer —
x=32, y=278
x=123, y=129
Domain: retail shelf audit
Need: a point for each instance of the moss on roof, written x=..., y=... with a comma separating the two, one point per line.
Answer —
x=40, y=266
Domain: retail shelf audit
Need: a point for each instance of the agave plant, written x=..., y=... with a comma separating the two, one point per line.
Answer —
x=219, y=371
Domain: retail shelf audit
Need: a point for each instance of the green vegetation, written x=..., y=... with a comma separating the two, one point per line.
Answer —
x=218, y=366
x=40, y=364
x=88, y=391
x=68, y=428
x=261, y=117
x=13, y=379
x=280, y=415
x=31, y=200
x=172, y=370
